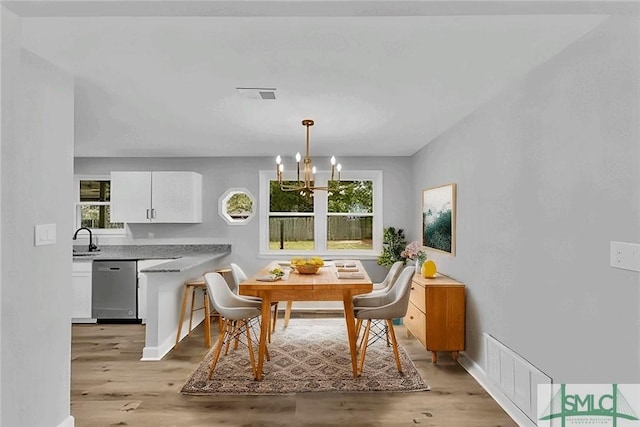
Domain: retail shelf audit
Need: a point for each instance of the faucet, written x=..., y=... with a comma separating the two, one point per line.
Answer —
x=92, y=247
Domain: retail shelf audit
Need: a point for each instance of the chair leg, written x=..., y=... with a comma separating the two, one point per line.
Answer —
x=183, y=309
x=219, y=345
x=287, y=313
x=237, y=335
x=363, y=346
x=193, y=300
x=207, y=319
x=386, y=333
x=232, y=327
x=220, y=323
x=395, y=344
x=358, y=327
x=232, y=332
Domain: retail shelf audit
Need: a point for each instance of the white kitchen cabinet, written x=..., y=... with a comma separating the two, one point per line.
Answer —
x=158, y=197
x=81, y=292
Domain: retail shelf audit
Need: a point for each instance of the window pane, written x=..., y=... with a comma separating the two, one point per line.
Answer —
x=350, y=232
x=295, y=233
x=288, y=201
x=239, y=206
x=97, y=216
x=95, y=191
x=351, y=197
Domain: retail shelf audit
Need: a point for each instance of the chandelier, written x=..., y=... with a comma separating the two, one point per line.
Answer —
x=305, y=185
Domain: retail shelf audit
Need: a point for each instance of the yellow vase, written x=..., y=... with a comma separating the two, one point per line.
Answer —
x=429, y=269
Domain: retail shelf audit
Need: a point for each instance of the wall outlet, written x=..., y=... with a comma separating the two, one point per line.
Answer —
x=45, y=234
x=625, y=255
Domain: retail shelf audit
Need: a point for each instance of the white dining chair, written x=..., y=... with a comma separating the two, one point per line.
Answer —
x=390, y=278
x=239, y=276
x=365, y=300
x=240, y=316
x=380, y=312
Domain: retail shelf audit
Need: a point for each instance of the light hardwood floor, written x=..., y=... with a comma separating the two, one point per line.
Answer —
x=111, y=387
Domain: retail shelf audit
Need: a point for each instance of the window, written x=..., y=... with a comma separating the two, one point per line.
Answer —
x=93, y=205
x=345, y=220
x=291, y=219
x=350, y=215
x=236, y=206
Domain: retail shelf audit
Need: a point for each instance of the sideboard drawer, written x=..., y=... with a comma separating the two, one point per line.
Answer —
x=417, y=296
x=415, y=322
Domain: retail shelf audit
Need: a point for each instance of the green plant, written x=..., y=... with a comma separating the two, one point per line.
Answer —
x=394, y=243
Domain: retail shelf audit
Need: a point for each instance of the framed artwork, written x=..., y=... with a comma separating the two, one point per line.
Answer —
x=439, y=218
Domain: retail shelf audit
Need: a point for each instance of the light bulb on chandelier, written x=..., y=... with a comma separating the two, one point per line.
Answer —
x=304, y=186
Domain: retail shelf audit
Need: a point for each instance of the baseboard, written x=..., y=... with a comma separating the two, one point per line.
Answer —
x=74, y=320
x=312, y=310
x=68, y=422
x=156, y=353
x=153, y=354
x=480, y=376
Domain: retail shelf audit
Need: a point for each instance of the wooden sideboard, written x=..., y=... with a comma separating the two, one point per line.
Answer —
x=436, y=314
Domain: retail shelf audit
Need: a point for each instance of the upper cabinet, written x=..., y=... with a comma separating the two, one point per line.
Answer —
x=143, y=197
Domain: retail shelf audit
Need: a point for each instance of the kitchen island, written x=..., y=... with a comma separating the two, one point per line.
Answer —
x=161, y=284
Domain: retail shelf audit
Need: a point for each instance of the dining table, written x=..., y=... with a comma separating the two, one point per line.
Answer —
x=338, y=280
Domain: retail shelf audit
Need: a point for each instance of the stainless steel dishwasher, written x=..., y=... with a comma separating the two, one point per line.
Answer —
x=114, y=288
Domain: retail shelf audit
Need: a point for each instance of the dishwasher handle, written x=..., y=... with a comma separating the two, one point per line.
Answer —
x=107, y=269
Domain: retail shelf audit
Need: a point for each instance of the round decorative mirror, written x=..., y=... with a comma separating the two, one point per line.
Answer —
x=237, y=206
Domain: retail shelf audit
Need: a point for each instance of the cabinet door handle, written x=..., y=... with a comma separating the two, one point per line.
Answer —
x=153, y=213
x=410, y=317
x=412, y=288
x=148, y=214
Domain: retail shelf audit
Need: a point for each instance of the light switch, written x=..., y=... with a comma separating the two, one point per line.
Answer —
x=625, y=255
x=45, y=234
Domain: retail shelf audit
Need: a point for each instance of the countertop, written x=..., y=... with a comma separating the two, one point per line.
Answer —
x=179, y=257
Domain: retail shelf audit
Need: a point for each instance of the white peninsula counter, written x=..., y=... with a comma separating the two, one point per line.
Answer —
x=165, y=287
x=164, y=269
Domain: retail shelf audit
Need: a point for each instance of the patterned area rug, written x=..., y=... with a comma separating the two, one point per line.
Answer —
x=311, y=355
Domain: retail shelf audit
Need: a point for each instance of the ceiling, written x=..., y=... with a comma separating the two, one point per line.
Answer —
x=377, y=81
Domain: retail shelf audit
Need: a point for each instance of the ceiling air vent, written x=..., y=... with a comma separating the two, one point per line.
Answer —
x=257, y=92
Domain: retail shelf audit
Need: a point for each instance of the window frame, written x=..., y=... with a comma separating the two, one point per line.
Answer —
x=321, y=215
x=77, y=206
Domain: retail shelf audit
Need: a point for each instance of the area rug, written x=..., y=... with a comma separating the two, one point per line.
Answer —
x=310, y=355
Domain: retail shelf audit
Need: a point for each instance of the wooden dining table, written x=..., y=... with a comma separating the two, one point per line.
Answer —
x=325, y=285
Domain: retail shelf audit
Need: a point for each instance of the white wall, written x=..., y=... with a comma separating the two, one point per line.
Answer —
x=36, y=177
x=548, y=174
x=219, y=174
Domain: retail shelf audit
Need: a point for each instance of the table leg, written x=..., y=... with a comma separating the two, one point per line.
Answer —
x=264, y=331
x=287, y=313
x=351, y=330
